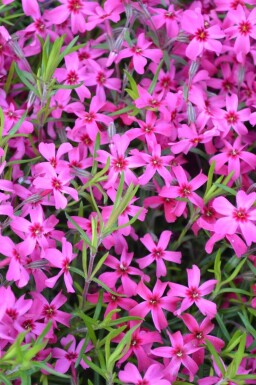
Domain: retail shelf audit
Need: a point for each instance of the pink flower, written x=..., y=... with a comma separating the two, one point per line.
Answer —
x=168, y=17
x=179, y=355
x=193, y=294
x=67, y=357
x=61, y=260
x=239, y=218
x=203, y=38
x=153, y=375
x=34, y=232
x=185, y=189
x=49, y=311
x=158, y=253
x=139, y=52
x=154, y=303
x=73, y=74
x=75, y=9
x=233, y=118
x=58, y=184
x=141, y=343
x=234, y=155
x=243, y=27
x=200, y=333
x=122, y=270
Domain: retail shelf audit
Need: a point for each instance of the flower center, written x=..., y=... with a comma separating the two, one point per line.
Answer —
x=235, y=4
x=72, y=77
x=157, y=253
x=245, y=28
x=185, y=190
x=201, y=34
x=154, y=300
x=148, y=129
x=199, y=335
x=170, y=15
x=12, y=115
x=12, y=313
x=39, y=25
x=49, y=311
x=101, y=78
x=71, y=356
x=86, y=140
x=89, y=117
x=74, y=5
x=232, y=117
x=156, y=162
x=136, y=50
x=53, y=162
x=119, y=164
x=56, y=184
x=36, y=230
x=65, y=265
x=233, y=153
x=194, y=294
x=240, y=215
x=28, y=325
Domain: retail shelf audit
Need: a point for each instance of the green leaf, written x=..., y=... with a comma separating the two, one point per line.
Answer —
x=99, y=264
x=235, y=273
x=233, y=342
x=239, y=355
x=226, y=188
x=216, y=357
x=94, y=367
x=122, y=111
x=15, y=128
x=1, y=123
x=102, y=284
x=133, y=84
x=121, y=348
x=210, y=176
x=155, y=78
x=77, y=271
x=26, y=79
x=222, y=327
x=80, y=230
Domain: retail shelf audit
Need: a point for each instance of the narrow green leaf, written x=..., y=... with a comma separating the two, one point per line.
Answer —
x=225, y=188
x=235, y=272
x=1, y=124
x=77, y=271
x=222, y=327
x=216, y=357
x=210, y=176
x=155, y=78
x=102, y=284
x=94, y=367
x=15, y=128
x=233, y=342
x=99, y=264
x=80, y=230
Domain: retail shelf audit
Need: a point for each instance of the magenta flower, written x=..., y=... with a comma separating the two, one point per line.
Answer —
x=67, y=358
x=200, y=333
x=58, y=184
x=153, y=375
x=235, y=156
x=34, y=232
x=92, y=119
x=185, y=189
x=122, y=270
x=203, y=38
x=49, y=311
x=237, y=219
x=179, y=355
x=193, y=294
x=234, y=118
x=154, y=162
x=168, y=17
x=139, y=52
x=48, y=150
x=61, y=260
x=73, y=74
x=119, y=161
x=158, y=253
x=75, y=9
x=16, y=256
x=108, y=12
x=141, y=343
x=243, y=27
x=154, y=303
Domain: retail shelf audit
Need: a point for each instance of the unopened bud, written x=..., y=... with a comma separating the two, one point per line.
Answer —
x=111, y=130
x=193, y=69
x=191, y=113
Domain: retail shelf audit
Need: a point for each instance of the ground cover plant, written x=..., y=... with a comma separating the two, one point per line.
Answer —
x=128, y=192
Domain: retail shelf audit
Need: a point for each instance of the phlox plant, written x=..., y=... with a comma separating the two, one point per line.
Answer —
x=127, y=192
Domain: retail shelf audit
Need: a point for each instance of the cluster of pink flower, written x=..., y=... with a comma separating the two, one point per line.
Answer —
x=182, y=133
